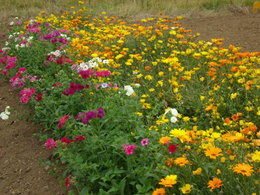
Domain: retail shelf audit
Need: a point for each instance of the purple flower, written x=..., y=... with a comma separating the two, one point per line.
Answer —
x=145, y=141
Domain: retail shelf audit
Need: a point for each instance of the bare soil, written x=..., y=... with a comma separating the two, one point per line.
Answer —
x=21, y=152
x=238, y=30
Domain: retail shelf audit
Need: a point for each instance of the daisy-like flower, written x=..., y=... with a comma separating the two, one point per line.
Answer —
x=197, y=171
x=169, y=181
x=213, y=152
x=244, y=169
x=165, y=140
x=181, y=161
x=159, y=191
x=215, y=183
x=186, y=189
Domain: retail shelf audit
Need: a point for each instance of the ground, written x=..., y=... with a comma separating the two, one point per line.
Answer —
x=21, y=152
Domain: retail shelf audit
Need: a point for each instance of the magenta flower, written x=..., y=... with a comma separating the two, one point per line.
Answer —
x=145, y=141
x=26, y=94
x=50, y=143
x=62, y=120
x=128, y=149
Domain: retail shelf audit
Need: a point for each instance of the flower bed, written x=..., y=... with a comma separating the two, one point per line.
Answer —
x=138, y=108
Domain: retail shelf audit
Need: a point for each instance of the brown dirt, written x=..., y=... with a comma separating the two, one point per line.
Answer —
x=239, y=30
x=20, y=151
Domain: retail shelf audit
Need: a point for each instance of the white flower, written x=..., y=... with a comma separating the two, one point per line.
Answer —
x=173, y=111
x=174, y=114
x=137, y=85
x=5, y=115
x=129, y=90
x=105, y=61
x=11, y=23
x=104, y=85
x=173, y=119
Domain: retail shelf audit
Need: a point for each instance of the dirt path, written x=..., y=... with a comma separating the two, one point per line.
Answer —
x=20, y=151
x=240, y=30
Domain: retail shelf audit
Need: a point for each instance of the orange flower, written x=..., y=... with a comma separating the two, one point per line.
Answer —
x=215, y=183
x=147, y=68
x=213, y=152
x=227, y=121
x=169, y=181
x=210, y=107
x=181, y=161
x=165, y=140
x=169, y=162
x=159, y=191
x=244, y=169
x=236, y=116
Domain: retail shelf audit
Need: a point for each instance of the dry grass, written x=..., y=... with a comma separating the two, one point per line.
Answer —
x=126, y=8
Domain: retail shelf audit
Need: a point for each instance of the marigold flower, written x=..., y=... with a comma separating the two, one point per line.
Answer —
x=215, y=183
x=244, y=169
x=159, y=191
x=213, y=152
x=181, y=161
x=169, y=181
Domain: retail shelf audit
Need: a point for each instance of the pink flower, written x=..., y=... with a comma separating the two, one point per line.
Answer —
x=62, y=120
x=128, y=149
x=145, y=141
x=26, y=94
x=50, y=143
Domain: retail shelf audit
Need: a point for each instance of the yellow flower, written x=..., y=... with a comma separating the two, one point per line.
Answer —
x=159, y=191
x=186, y=119
x=244, y=169
x=213, y=152
x=181, y=161
x=197, y=171
x=169, y=181
x=218, y=171
x=186, y=189
x=256, y=156
x=233, y=95
x=215, y=183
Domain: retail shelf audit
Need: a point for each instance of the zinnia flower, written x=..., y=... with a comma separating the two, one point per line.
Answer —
x=215, y=183
x=244, y=169
x=213, y=152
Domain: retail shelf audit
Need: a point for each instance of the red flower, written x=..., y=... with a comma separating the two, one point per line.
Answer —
x=38, y=97
x=172, y=148
x=62, y=120
x=67, y=181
